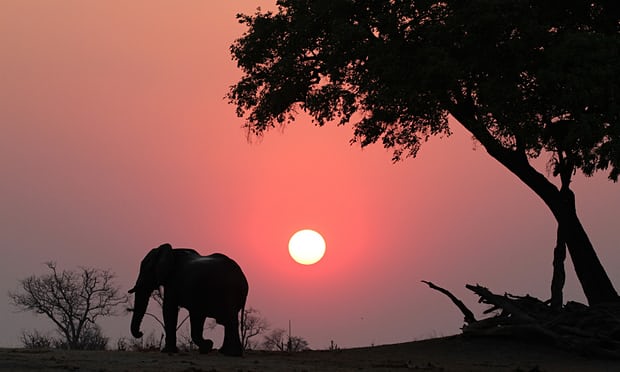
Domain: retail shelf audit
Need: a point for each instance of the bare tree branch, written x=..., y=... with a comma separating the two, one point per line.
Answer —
x=72, y=300
x=253, y=325
x=469, y=316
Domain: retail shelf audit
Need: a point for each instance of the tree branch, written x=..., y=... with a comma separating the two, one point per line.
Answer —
x=469, y=316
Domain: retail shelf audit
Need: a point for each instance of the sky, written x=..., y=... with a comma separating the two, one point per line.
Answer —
x=116, y=137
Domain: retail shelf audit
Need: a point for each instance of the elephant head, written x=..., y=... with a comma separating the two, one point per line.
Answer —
x=155, y=269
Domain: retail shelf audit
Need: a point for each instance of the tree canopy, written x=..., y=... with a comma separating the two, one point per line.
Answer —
x=524, y=77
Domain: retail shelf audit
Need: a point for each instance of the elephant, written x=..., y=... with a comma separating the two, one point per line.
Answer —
x=211, y=286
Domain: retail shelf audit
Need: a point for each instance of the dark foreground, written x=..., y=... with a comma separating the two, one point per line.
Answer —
x=443, y=354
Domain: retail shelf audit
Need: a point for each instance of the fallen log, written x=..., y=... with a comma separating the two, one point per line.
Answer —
x=588, y=330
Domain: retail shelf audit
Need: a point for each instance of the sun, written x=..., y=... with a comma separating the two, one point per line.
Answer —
x=306, y=247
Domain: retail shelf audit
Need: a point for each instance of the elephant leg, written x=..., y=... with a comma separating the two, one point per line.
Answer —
x=171, y=315
x=197, y=324
x=232, y=342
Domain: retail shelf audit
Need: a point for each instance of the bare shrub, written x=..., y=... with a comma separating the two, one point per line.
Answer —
x=36, y=340
x=278, y=340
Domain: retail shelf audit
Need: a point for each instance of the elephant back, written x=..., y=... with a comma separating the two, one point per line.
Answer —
x=216, y=270
x=217, y=284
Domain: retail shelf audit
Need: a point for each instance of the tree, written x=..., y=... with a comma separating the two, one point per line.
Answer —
x=253, y=324
x=524, y=78
x=278, y=340
x=158, y=297
x=72, y=300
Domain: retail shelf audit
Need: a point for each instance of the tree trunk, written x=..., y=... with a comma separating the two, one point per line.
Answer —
x=592, y=276
x=594, y=280
x=590, y=272
x=559, y=275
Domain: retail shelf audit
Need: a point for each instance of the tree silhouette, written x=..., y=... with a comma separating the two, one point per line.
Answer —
x=524, y=78
x=278, y=340
x=253, y=324
x=158, y=298
x=72, y=300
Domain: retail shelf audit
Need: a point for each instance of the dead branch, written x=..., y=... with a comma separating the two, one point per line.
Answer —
x=499, y=302
x=588, y=330
x=469, y=316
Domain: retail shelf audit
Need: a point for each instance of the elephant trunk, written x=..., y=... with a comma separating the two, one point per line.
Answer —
x=140, y=304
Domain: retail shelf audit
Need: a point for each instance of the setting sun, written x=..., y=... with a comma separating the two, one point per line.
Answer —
x=306, y=247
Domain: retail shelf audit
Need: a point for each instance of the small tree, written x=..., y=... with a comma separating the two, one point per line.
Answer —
x=158, y=297
x=278, y=340
x=253, y=325
x=72, y=300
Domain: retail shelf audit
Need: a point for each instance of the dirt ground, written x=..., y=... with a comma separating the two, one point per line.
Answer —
x=454, y=353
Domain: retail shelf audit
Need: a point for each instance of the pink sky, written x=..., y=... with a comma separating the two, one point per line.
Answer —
x=116, y=138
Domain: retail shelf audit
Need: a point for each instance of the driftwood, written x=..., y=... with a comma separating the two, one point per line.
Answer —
x=588, y=330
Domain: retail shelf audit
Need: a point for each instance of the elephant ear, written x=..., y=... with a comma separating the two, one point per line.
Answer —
x=165, y=264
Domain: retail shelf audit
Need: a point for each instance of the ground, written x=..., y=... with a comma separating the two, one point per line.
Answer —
x=454, y=353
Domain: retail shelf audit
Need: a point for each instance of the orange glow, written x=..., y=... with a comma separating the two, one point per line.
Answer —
x=307, y=247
